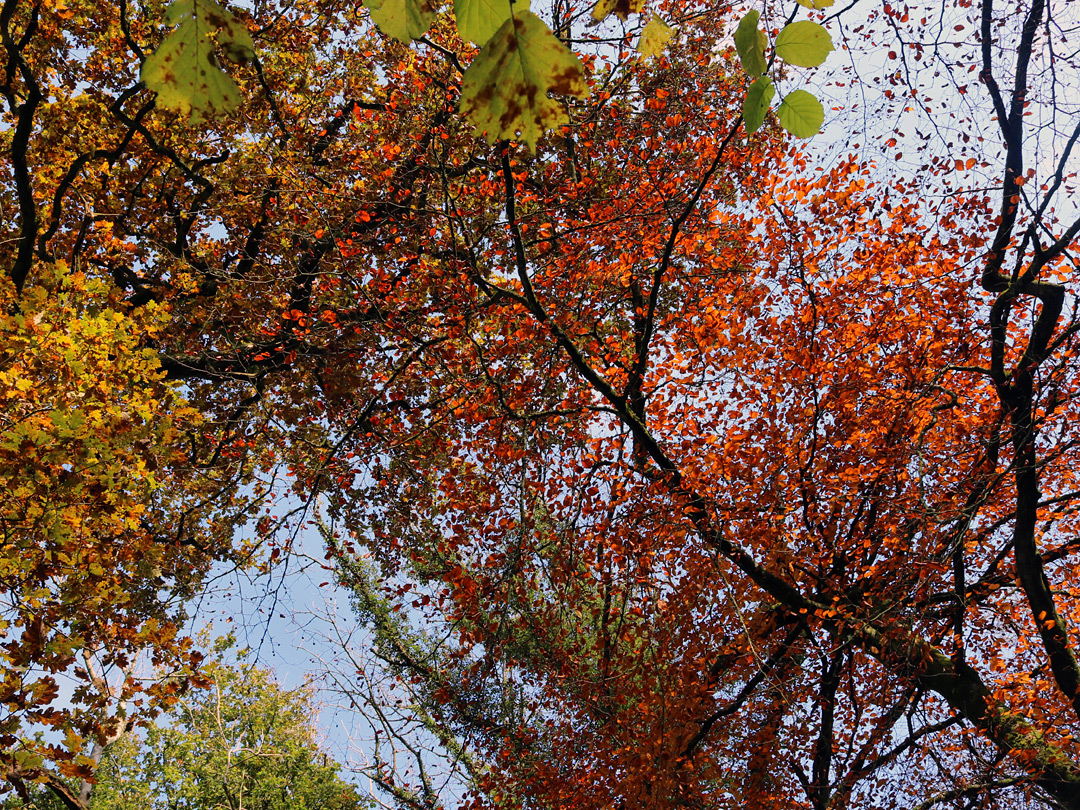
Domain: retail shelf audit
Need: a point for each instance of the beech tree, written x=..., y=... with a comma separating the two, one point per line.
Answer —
x=672, y=465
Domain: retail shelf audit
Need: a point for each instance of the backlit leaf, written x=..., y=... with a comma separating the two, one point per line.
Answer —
x=750, y=43
x=620, y=8
x=801, y=114
x=404, y=20
x=803, y=43
x=758, y=98
x=230, y=34
x=478, y=20
x=815, y=3
x=654, y=37
x=505, y=90
x=184, y=72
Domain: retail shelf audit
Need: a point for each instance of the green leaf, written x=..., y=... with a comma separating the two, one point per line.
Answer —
x=404, y=20
x=815, y=3
x=801, y=114
x=654, y=36
x=478, y=20
x=178, y=10
x=229, y=32
x=758, y=98
x=183, y=70
x=750, y=43
x=505, y=90
x=803, y=43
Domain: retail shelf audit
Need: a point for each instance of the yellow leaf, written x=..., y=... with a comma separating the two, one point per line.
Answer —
x=654, y=37
x=620, y=8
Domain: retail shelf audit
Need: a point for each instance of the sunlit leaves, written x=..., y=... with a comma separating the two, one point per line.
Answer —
x=654, y=37
x=750, y=43
x=803, y=43
x=505, y=90
x=87, y=432
x=479, y=20
x=184, y=71
x=404, y=20
x=801, y=114
x=815, y=4
x=756, y=104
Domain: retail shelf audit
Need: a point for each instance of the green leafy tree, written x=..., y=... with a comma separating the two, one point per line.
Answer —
x=244, y=743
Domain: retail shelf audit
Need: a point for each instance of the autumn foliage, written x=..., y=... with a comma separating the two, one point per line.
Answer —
x=670, y=466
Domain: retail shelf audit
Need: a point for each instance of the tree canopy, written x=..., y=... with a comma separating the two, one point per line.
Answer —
x=673, y=460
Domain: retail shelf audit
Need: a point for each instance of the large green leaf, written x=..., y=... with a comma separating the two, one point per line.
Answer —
x=183, y=70
x=404, y=20
x=750, y=43
x=505, y=90
x=758, y=98
x=803, y=43
x=478, y=20
x=801, y=114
